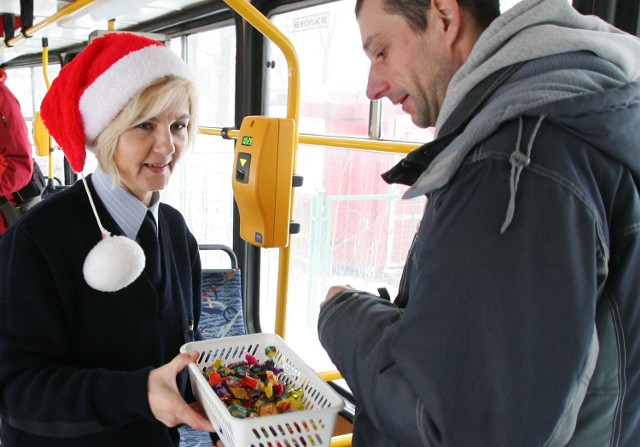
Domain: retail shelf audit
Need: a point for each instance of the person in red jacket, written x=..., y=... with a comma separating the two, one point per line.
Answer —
x=16, y=163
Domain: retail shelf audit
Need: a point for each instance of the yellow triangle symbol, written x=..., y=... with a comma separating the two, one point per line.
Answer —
x=243, y=161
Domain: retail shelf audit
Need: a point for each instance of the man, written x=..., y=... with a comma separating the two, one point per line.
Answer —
x=517, y=321
x=16, y=165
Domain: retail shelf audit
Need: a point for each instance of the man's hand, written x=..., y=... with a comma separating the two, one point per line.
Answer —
x=335, y=291
x=165, y=401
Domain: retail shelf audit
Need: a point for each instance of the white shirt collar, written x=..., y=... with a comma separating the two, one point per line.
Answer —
x=124, y=207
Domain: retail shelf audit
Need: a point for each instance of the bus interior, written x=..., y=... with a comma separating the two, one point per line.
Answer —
x=296, y=61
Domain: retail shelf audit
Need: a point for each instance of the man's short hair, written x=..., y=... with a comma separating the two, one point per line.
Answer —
x=415, y=11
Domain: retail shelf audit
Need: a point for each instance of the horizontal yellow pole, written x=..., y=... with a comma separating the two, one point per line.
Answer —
x=328, y=376
x=341, y=440
x=64, y=12
x=360, y=143
x=348, y=143
x=217, y=131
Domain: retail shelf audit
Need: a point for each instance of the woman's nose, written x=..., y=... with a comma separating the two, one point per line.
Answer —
x=164, y=140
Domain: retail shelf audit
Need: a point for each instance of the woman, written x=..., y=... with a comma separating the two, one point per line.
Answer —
x=88, y=341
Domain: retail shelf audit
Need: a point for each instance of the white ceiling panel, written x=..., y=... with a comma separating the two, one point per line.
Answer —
x=74, y=29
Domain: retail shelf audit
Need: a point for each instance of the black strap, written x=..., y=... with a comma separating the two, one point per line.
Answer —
x=384, y=293
x=11, y=213
x=34, y=188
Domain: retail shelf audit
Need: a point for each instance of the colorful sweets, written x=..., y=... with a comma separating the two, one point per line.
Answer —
x=250, y=388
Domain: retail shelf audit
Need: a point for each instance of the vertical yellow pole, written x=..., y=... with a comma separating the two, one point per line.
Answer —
x=45, y=73
x=262, y=24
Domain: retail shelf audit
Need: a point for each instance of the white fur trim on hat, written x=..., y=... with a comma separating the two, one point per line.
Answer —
x=109, y=93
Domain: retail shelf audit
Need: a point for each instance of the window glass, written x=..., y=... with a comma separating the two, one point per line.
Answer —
x=355, y=229
x=333, y=76
x=201, y=186
x=19, y=81
x=29, y=86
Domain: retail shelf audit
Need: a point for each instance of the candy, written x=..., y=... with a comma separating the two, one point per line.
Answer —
x=214, y=378
x=250, y=388
x=250, y=382
x=270, y=351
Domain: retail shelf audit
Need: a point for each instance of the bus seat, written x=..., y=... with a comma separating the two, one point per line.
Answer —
x=222, y=314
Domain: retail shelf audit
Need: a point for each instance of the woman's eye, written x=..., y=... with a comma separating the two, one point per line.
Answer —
x=144, y=126
x=179, y=125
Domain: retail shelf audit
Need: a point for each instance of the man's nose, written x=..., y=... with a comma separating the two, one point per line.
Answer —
x=377, y=86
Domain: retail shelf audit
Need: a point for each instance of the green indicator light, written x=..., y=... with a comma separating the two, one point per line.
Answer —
x=247, y=141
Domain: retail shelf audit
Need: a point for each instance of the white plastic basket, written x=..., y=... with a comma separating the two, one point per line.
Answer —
x=312, y=426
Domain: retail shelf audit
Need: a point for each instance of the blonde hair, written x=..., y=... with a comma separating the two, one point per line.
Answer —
x=147, y=104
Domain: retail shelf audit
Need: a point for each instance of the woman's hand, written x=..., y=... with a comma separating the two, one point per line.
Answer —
x=165, y=401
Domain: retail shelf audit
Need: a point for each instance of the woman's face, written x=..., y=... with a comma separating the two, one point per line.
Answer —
x=147, y=153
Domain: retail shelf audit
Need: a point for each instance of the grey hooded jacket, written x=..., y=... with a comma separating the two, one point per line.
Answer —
x=518, y=317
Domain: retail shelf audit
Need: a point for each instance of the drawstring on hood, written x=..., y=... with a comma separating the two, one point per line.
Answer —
x=519, y=161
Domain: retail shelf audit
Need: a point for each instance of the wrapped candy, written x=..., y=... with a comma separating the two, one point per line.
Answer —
x=250, y=388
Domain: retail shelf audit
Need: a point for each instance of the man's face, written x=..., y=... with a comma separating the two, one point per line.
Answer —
x=409, y=68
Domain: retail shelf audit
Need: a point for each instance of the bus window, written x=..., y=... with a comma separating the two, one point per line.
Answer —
x=29, y=86
x=355, y=229
x=201, y=188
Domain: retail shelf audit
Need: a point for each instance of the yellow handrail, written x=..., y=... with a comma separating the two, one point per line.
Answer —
x=44, y=23
x=341, y=440
x=262, y=24
x=328, y=376
x=45, y=73
x=343, y=142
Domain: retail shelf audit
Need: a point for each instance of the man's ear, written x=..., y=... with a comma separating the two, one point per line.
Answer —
x=445, y=15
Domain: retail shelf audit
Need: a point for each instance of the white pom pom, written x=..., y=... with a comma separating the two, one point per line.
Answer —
x=114, y=263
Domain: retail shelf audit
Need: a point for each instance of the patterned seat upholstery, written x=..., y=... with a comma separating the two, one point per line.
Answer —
x=222, y=316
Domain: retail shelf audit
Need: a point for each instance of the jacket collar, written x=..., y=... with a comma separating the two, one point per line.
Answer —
x=408, y=170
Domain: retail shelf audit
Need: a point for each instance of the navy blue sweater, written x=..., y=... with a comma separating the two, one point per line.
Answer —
x=75, y=360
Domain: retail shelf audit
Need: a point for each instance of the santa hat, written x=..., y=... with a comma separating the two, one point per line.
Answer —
x=86, y=96
x=94, y=87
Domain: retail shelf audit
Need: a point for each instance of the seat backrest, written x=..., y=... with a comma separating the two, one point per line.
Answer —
x=222, y=312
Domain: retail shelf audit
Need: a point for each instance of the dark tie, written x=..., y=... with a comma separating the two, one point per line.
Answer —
x=148, y=238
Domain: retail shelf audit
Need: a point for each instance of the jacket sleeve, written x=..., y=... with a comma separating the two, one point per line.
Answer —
x=16, y=164
x=497, y=342
x=363, y=354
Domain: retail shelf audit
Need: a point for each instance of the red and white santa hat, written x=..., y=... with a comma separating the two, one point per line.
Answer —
x=93, y=88
x=86, y=96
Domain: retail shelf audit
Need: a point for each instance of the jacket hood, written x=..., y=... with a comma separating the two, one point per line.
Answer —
x=534, y=29
x=549, y=43
x=608, y=120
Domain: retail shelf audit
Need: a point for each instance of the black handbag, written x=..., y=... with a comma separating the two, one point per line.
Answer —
x=25, y=197
x=34, y=188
